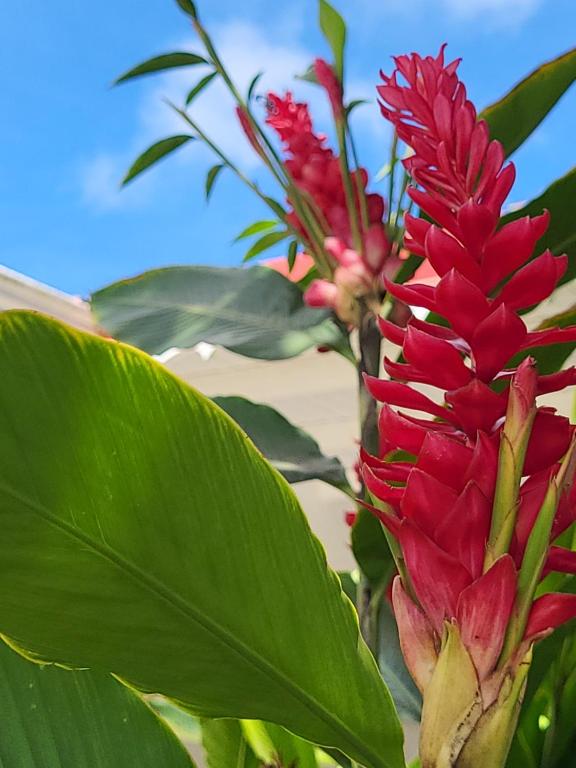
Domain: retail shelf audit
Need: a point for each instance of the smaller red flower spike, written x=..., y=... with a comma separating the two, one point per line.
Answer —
x=482, y=447
x=316, y=173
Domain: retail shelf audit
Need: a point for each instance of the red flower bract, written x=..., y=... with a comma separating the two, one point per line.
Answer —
x=440, y=508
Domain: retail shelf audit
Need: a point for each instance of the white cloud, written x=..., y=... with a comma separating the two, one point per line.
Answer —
x=246, y=49
x=490, y=13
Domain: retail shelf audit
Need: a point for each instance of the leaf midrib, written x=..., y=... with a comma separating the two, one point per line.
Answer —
x=191, y=613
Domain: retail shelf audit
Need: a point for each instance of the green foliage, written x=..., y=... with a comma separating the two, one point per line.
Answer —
x=406, y=695
x=211, y=177
x=371, y=549
x=252, y=87
x=254, y=229
x=292, y=253
x=199, y=87
x=225, y=745
x=515, y=116
x=334, y=29
x=143, y=533
x=57, y=718
x=155, y=153
x=188, y=7
x=161, y=63
x=292, y=451
x=275, y=745
x=255, y=312
x=264, y=243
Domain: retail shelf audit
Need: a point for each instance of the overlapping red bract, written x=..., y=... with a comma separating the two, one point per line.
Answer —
x=440, y=507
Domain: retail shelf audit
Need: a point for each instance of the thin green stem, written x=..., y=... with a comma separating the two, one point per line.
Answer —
x=347, y=184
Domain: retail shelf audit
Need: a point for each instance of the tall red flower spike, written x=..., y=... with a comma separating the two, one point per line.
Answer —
x=483, y=449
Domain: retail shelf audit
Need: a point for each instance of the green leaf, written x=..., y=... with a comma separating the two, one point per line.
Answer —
x=154, y=153
x=255, y=312
x=334, y=29
x=225, y=746
x=292, y=253
x=276, y=207
x=200, y=87
x=143, y=533
x=520, y=112
x=56, y=718
x=252, y=87
x=354, y=104
x=370, y=548
x=211, y=177
x=309, y=76
x=265, y=242
x=254, y=229
x=292, y=451
x=274, y=745
x=188, y=7
x=162, y=63
x=406, y=695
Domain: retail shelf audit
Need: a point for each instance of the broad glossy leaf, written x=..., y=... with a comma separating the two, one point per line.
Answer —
x=211, y=177
x=225, y=745
x=155, y=153
x=292, y=451
x=334, y=29
x=57, y=718
x=265, y=242
x=199, y=87
x=142, y=533
x=513, y=118
x=255, y=312
x=161, y=63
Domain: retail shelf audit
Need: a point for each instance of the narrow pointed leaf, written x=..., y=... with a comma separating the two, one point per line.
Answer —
x=57, y=718
x=161, y=63
x=252, y=87
x=188, y=7
x=276, y=207
x=354, y=104
x=265, y=242
x=292, y=253
x=334, y=29
x=255, y=312
x=137, y=532
x=211, y=177
x=254, y=229
x=155, y=153
x=199, y=87
x=292, y=451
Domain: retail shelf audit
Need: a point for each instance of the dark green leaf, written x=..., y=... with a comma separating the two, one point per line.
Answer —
x=353, y=104
x=334, y=29
x=188, y=7
x=211, y=177
x=255, y=312
x=254, y=229
x=200, y=87
x=292, y=253
x=161, y=63
x=57, y=718
x=155, y=153
x=516, y=115
x=144, y=534
x=265, y=242
x=225, y=746
x=253, y=83
x=292, y=451
x=274, y=745
x=371, y=548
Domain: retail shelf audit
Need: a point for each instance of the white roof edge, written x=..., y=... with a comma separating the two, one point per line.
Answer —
x=36, y=285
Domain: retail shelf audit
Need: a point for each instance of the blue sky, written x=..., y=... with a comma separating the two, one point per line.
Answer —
x=67, y=137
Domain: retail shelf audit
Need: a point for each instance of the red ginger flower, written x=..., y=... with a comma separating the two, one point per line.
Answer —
x=315, y=170
x=486, y=448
